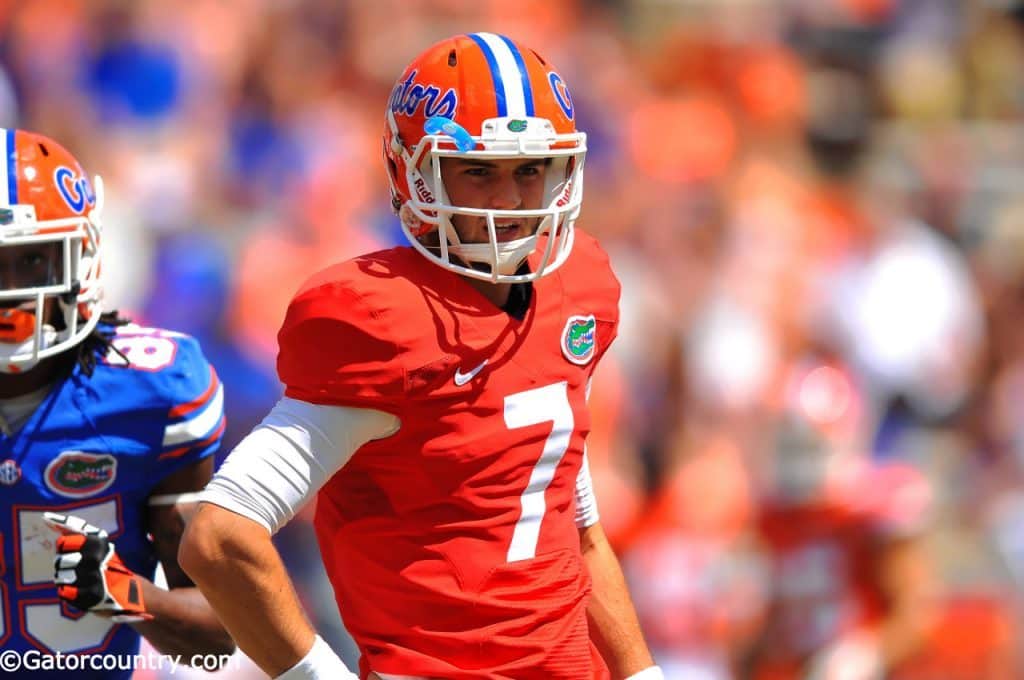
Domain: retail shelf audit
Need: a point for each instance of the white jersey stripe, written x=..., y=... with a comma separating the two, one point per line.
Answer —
x=511, y=76
x=198, y=427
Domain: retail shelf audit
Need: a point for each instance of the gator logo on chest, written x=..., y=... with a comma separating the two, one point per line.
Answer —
x=78, y=474
x=579, y=339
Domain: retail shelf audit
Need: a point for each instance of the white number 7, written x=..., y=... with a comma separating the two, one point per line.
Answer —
x=532, y=407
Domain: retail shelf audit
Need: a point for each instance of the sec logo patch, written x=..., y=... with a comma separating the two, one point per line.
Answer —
x=10, y=473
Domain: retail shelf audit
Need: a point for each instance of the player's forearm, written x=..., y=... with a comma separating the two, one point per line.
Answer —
x=908, y=584
x=614, y=627
x=903, y=633
x=234, y=563
x=183, y=623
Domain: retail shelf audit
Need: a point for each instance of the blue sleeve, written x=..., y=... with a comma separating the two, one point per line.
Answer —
x=194, y=399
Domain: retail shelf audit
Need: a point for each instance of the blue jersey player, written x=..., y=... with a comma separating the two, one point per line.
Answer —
x=105, y=429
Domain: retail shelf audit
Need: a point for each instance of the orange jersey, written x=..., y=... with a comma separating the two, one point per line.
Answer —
x=451, y=544
x=825, y=561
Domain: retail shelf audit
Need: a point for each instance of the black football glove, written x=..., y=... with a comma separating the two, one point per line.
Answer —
x=89, y=574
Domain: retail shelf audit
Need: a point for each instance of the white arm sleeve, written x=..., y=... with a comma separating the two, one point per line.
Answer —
x=586, y=501
x=284, y=461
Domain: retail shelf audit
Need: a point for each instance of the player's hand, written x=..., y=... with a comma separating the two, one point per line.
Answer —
x=89, y=574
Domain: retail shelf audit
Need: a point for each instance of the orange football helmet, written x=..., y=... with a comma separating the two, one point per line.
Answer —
x=820, y=444
x=483, y=96
x=46, y=198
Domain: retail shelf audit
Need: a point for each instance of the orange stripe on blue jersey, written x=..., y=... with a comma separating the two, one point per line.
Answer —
x=196, y=420
x=181, y=451
x=182, y=410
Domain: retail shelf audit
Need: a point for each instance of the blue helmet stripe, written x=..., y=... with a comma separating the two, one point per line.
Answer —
x=523, y=74
x=492, y=63
x=12, y=169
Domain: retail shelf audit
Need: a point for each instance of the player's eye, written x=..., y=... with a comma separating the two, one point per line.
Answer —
x=532, y=170
x=32, y=261
x=34, y=268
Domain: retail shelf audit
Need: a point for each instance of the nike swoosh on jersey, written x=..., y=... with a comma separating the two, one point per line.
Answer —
x=463, y=378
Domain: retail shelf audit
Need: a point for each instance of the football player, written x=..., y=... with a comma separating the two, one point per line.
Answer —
x=104, y=427
x=436, y=407
x=852, y=588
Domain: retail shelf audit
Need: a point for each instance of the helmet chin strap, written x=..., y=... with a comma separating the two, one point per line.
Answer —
x=510, y=253
x=49, y=337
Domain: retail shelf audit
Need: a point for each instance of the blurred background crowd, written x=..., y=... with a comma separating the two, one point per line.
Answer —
x=809, y=438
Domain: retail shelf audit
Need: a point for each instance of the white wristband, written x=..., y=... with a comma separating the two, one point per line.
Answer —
x=652, y=673
x=321, y=663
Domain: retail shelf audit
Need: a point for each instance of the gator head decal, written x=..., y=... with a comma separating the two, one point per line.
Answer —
x=579, y=339
x=78, y=474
